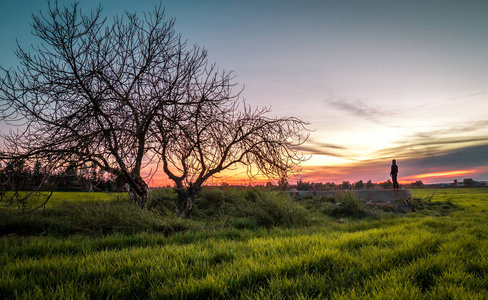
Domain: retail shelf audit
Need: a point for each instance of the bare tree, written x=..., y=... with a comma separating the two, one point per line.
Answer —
x=90, y=91
x=115, y=95
x=215, y=134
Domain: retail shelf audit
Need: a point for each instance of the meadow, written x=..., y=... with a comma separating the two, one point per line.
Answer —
x=251, y=244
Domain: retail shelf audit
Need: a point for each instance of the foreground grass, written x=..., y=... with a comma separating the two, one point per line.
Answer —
x=439, y=252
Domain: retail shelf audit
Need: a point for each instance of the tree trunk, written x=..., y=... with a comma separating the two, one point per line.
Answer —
x=186, y=200
x=138, y=192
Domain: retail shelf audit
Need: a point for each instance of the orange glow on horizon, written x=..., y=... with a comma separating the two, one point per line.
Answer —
x=322, y=176
x=435, y=176
x=226, y=177
x=445, y=174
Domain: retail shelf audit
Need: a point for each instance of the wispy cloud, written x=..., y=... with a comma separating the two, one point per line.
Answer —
x=312, y=147
x=452, y=129
x=427, y=145
x=361, y=109
x=449, y=100
x=314, y=142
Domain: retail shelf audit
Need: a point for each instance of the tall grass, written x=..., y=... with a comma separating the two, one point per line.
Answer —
x=422, y=255
x=90, y=218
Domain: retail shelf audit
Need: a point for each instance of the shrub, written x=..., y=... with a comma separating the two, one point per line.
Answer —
x=267, y=208
x=321, y=204
x=209, y=202
x=244, y=208
x=163, y=201
x=348, y=204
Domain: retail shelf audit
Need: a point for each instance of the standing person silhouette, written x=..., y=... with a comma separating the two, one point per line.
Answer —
x=394, y=174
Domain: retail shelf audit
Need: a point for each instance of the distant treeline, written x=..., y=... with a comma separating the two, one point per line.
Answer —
x=18, y=175
x=360, y=185
x=346, y=185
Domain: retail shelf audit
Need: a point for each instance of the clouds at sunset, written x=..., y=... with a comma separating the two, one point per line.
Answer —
x=460, y=163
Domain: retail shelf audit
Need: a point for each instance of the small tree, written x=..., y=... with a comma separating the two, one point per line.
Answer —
x=387, y=184
x=283, y=184
x=369, y=184
x=346, y=185
x=359, y=184
x=330, y=185
x=304, y=186
x=14, y=175
x=468, y=182
x=417, y=184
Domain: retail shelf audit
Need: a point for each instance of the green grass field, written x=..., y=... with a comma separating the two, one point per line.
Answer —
x=58, y=198
x=438, y=252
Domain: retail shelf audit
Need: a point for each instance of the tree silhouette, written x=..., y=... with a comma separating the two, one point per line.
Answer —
x=359, y=184
x=90, y=92
x=121, y=94
x=369, y=184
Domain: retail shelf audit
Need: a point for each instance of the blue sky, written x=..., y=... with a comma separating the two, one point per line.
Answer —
x=376, y=79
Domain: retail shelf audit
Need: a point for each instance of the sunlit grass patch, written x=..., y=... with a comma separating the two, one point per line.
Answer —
x=56, y=198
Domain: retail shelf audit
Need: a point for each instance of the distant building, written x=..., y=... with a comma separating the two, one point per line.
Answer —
x=458, y=183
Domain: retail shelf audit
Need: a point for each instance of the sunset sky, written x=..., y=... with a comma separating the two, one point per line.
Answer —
x=377, y=80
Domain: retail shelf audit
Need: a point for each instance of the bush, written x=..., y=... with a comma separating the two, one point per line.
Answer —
x=210, y=202
x=321, y=204
x=348, y=204
x=248, y=208
x=163, y=201
x=267, y=208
